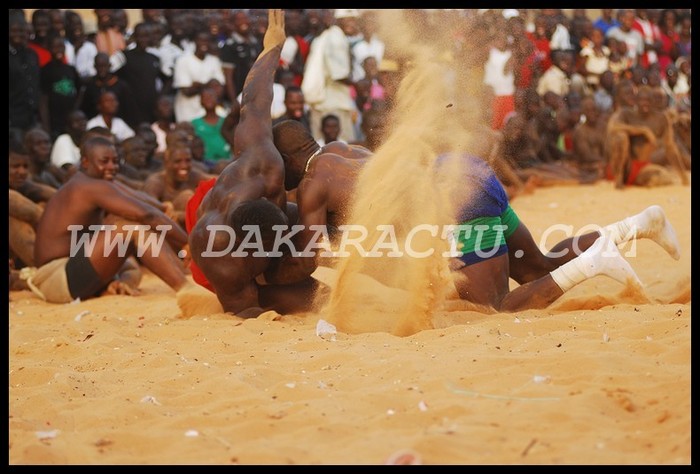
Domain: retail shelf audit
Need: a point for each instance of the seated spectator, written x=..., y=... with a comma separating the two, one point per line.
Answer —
x=25, y=207
x=37, y=144
x=65, y=153
x=59, y=88
x=165, y=121
x=176, y=182
x=107, y=107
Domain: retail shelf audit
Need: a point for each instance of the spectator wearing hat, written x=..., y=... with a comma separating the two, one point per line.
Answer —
x=328, y=75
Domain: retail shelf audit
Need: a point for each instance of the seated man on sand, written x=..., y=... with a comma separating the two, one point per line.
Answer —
x=26, y=205
x=642, y=146
x=507, y=250
x=78, y=259
x=240, y=209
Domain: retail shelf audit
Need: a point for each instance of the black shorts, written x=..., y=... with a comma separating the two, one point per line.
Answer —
x=83, y=280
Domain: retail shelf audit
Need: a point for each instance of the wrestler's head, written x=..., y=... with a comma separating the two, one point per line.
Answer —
x=296, y=145
x=262, y=214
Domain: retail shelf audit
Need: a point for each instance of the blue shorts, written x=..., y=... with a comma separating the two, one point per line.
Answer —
x=487, y=220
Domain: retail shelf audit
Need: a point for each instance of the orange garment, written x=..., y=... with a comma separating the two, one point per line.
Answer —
x=502, y=106
x=191, y=219
x=635, y=167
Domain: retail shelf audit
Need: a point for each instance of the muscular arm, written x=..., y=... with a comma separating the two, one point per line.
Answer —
x=111, y=198
x=24, y=209
x=142, y=196
x=37, y=192
x=672, y=153
x=254, y=126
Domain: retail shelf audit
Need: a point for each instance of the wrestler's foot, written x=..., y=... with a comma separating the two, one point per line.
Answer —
x=601, y=258
x=652, y=224
x=604, y=258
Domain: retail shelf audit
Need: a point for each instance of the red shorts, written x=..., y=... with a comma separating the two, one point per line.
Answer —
x=635, y=167
x=191, y=219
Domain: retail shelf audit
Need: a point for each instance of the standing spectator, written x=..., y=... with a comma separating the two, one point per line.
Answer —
x=120, y=22
x=684, y=35
x=192, y=72
x=330, y=130
x=627, y=34
x=606, y=20
x=499, y=75
x=103, y=81
x=108, y=39
x=369, y=45
x=668, y=49
x=540, y=38
x=557, y=78
x=59, y=89
x=39, y=40
x=24, y=76
x=327, y=77
x=141, y=71
x=561, y=37
x=238, y=55
x=594, y=59
x=651, y=34
x=80, y=52
x=295, y=49
x=208, y=128
x=172, y=46
x=294, y=107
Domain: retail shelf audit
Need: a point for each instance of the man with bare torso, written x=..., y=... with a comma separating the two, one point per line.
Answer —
x=71, y=267
x=242, y=207
x=176, y=182
x=642, y=146
x=324, y=177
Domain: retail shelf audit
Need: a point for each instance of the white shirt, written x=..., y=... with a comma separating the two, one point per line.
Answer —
x=494, y=73
x=336, y=62
x=362, y=50
x=169, y=52
x=64, y=151
x=119, y=127
x=189, y=69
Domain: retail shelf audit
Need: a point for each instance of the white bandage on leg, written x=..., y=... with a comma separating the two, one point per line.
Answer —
x=602, y=258
x=652, y=224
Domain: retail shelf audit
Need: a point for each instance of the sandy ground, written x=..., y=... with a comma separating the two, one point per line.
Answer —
x=600, y=377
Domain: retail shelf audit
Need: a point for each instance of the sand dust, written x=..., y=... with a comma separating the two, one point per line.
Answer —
x=598, y=378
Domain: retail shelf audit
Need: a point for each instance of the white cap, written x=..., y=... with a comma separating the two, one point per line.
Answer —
x=347, y=13
x=510, y=13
